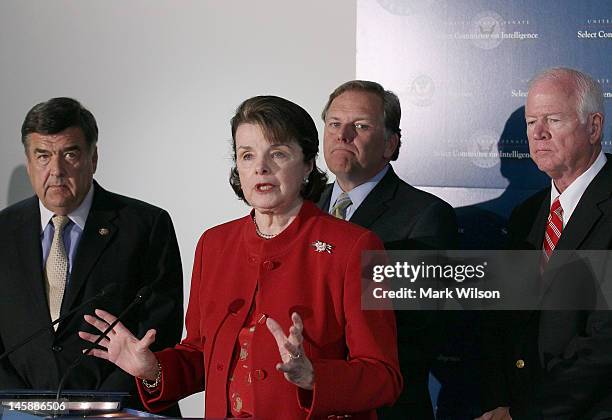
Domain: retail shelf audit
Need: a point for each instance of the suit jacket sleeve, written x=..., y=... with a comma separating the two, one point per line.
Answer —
x=496, y=336
x=421, y=333
x=370, y=376
x=579, y=378
x=494, y=383
x=163, y=311
x=8, y=377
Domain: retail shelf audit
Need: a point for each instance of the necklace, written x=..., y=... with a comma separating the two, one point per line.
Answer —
x=260, y=233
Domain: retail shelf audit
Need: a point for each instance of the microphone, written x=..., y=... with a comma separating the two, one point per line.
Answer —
x=142, y=295
x=109, y=289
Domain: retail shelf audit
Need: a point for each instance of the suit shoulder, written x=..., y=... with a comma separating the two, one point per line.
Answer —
x=17, y=210
x=530, y=207
x=130, y=204
x=522, y=219
x=420, y=199
x=406, y=190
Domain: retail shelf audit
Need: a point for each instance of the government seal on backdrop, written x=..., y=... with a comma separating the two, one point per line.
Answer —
x=486, y=30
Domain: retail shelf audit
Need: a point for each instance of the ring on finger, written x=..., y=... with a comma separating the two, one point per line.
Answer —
x=294, y=356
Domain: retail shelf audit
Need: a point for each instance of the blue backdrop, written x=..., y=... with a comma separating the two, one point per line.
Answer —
x=461, y=70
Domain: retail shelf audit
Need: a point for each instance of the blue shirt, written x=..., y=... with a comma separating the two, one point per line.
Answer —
x=72, y=231
x=357, y=194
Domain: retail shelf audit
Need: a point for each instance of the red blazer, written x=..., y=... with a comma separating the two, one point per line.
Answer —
x=353, y=352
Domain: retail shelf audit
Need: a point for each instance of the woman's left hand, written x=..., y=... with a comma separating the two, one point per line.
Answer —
x=297, y=368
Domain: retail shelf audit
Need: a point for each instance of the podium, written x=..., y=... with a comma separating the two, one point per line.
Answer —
x=24, y=404
x=125, y=414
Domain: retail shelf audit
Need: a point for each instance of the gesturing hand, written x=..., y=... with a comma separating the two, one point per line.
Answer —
x=296, y=366
x=500, y=413
x=121, y=347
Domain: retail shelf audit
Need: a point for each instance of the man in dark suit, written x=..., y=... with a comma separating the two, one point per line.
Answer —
x=558, y=364
x=362, y=135
x=68, y=242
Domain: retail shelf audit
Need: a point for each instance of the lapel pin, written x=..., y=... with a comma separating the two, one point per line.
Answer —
x=103, y=231
x=321, y=246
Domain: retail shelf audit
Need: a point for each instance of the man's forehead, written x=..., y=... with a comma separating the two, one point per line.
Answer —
x=72, y=136
x=358, y=102
x=557, y=87
x=551, y=96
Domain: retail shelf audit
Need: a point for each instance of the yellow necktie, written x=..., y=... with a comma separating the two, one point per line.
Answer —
x=56, y=268
x=339, y=209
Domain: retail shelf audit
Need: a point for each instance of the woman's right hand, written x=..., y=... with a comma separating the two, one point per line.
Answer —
x=122, y=347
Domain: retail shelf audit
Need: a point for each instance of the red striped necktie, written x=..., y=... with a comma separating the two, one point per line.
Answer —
x=553, y=229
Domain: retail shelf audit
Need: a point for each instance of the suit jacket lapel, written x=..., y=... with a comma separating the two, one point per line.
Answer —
x=29, y=248
x=375, y=203
x=536, y=235
x=534, y=238
x=584, y=218
x=99, y=232
x=324, y=201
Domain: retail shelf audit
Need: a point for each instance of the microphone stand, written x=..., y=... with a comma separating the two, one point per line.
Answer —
x=107, y=290
x=142, y=294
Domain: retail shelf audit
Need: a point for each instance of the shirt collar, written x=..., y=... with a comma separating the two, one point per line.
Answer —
x=573, y=193
x=78, y=216
x=360, y=192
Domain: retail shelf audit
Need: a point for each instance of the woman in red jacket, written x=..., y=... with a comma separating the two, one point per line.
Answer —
x=285, y=267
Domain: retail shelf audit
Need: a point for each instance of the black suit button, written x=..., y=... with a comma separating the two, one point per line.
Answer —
x=57, y=348
x=520, y=363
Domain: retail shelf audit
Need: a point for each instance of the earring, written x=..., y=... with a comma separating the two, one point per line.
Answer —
x=306, y=181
